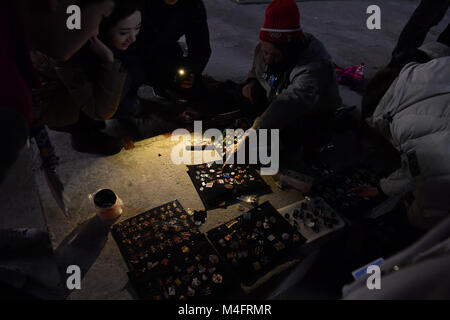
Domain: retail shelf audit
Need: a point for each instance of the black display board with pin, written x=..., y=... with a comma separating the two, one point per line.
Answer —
x=256, y=242
x=194, y=271
x=336, y=189
x=168, y=258
x=148, y=236
x=219, y=187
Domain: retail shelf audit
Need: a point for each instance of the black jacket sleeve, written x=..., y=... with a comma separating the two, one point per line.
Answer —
x=197, y=38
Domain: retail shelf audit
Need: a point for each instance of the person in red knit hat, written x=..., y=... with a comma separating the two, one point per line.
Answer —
x=282, y=24
x=292, y=82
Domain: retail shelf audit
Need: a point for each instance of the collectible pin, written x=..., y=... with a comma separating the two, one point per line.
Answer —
x=191, y=292
x=217, y=278
x=214, y=259
x=196, y=282
x=256, y=265
x=279, y=246
x=185, y=249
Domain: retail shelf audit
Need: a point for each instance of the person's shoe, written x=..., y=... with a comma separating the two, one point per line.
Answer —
x=22, y=238
x=96, y=142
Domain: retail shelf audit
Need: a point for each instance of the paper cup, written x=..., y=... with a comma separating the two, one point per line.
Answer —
x=109, y=206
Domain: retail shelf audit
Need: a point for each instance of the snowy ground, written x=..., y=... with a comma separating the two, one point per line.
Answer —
x=340, y=25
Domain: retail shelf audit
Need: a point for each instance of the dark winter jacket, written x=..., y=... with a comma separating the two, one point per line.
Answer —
x=17, y=75
x=17, y=78
x=310, y=90
x=163, y=25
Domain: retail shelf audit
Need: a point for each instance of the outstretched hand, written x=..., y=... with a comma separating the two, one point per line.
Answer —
x=249, y=91
x=366, y=192
x=236, y=149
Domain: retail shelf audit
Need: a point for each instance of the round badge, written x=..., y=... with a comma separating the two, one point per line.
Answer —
x=213, y=259
x=217, y=278
x=185, y=249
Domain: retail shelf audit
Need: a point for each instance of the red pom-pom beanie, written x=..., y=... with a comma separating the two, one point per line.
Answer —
x=282, y=24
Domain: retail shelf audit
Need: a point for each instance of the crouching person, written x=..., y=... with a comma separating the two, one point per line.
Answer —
x=292, y=82
x=98, y=83
x=171, y=70
x=407, y=104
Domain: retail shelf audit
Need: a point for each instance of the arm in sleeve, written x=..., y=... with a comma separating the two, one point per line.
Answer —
x=398, y=183
x=61, y=101
x=296, y=100
x=107, y=91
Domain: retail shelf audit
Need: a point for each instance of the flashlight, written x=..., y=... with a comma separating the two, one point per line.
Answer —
x=181, y=75
x=181, y=72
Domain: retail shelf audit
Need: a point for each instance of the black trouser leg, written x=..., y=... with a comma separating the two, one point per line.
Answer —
x=14, y=132
x=445, y=36
x=161, y=67
x=427, y=15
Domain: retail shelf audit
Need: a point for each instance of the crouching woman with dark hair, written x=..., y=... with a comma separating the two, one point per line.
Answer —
x=98, y=83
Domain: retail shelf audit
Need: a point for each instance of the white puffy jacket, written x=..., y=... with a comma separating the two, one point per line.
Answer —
x=414, y=115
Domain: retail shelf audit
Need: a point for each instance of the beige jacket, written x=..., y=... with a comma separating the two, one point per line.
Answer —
x=67, y=90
